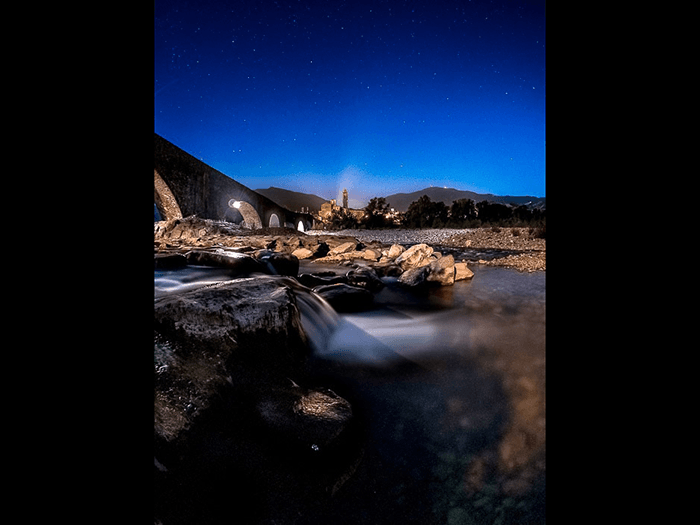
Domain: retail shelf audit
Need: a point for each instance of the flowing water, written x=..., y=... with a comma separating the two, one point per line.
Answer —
x=450, y=385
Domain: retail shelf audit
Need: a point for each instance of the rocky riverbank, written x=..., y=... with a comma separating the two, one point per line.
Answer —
x=242, y=427
x=197, y=241
x=522, y=249
x=525, y=247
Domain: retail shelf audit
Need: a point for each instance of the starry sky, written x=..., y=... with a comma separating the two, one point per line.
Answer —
x=378, y=97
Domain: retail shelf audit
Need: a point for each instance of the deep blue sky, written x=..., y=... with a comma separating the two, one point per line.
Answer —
x=379, y=97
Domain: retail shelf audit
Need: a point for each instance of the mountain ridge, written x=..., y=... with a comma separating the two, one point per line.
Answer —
x=295, y=200
x=401, y=201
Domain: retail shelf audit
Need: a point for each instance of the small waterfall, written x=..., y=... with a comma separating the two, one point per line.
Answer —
x=318, y=318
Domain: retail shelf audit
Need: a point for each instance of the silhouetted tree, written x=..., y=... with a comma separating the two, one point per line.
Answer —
x=522, y=214
x=462, y=213
x=493, y=212
x=374, y=213
x=424, y=213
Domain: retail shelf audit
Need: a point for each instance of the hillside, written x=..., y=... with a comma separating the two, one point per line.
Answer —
x=293, y=200
x=401, y=201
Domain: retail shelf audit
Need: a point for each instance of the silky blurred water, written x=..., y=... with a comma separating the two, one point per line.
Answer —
x=450, y=385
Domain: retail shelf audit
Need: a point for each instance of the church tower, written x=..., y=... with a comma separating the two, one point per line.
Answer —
x=345, y=198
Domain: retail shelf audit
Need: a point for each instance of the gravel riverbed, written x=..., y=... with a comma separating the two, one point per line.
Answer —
x=403, y=236
x=514, y=248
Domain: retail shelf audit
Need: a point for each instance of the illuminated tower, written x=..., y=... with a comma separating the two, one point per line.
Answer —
x=345, y=198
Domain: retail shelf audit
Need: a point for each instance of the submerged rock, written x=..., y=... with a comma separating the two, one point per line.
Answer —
x=311, y=280
x=346, y=298
x=365, y=278
x=311, y=417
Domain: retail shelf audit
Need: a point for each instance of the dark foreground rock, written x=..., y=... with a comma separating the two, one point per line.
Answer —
x=237, y=438
x=255, y=317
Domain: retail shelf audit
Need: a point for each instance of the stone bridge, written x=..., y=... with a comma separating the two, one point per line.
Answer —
x=186, y=186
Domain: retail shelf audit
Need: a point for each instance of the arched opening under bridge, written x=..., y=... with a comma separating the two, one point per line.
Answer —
x=167, y=205
x=251, y=219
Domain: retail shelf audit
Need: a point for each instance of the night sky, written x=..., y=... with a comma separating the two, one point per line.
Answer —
x=378, y=97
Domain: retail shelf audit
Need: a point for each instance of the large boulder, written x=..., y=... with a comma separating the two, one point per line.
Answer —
x=415, y=257
x=257, y=318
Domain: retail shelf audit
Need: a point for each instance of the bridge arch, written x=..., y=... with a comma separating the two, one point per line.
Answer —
x=167, y=205
x=251, y=219
x=274, y=221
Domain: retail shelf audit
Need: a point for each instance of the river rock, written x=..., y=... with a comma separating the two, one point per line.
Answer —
x=416, y=256
x=395, y=251
x=311, y=417
x=280, y=263
x=343, y=248
x=365, y=278
x=345, y=297
x=387, y=269
x=239, y=262
x=462, y=272
x=414, y=276
x=319, y=248
x=370, y=254
x=442, y=271
x=302, y=253
x=311, y=280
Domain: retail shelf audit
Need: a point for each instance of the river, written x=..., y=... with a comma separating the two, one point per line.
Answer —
x=450, y=384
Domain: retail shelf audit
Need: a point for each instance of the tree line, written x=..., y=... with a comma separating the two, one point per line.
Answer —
x=425, y=213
